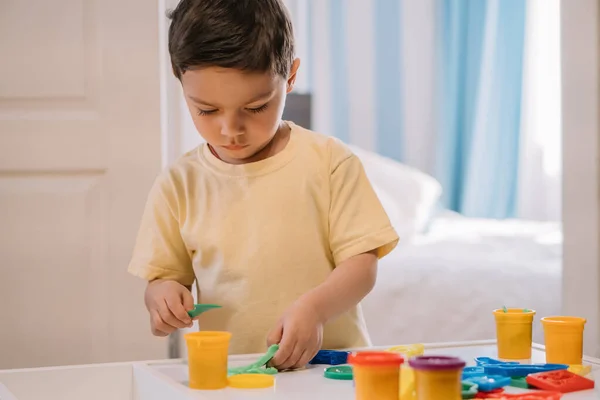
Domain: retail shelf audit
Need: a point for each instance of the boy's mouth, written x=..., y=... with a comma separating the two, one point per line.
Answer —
x=234, y=147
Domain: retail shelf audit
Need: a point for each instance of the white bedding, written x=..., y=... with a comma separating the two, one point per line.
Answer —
x=442, y=286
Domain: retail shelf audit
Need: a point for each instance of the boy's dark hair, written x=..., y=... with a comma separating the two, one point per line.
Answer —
x=250, y=35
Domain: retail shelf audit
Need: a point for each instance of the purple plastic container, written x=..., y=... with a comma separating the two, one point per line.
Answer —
x=438, y=377
x=436, y=363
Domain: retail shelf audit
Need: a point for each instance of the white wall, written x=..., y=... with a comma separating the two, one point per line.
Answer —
x=581, y=171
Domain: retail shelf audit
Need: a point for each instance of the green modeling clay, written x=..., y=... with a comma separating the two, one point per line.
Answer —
x=257, y=367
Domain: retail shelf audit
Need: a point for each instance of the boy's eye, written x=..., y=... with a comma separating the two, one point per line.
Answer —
x=259, y=109
x=255, y=110
x=204, y=112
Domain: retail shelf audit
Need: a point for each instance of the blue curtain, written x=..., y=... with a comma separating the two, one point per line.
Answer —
x=480, y=63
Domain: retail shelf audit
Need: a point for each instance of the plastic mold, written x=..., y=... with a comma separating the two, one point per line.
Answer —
x=520, y=370
x=487, y=383
x=330, y=357
x=560, y=381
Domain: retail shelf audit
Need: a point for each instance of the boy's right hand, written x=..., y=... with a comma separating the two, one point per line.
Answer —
x=168, y=303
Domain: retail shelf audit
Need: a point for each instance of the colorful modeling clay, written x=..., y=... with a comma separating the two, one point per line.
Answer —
x=257, y=367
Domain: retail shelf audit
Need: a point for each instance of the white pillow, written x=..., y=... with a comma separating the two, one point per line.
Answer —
x=408, y=195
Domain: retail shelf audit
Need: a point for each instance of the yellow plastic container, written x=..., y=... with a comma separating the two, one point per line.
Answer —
x=564, y=339
x=207, y=359
x=514, y=333
x=438, y=377
x=407, y=383
x=409, y=350
x=407, y=375
x=376, y=374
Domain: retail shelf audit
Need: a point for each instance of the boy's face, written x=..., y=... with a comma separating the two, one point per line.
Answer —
x=236, y=112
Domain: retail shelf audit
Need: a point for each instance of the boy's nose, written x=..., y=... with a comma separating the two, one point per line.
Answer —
x=232, y=128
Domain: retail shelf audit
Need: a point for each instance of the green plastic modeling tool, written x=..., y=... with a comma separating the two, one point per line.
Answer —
x=200, y=308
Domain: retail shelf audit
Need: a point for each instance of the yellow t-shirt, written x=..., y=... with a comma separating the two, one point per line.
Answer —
x=257, y=236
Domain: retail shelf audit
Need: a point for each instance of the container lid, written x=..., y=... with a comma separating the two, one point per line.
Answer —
x=251, y=381
x=436, y=363
x=375, y=359
x=342, y=373
x=514, y=311
x=563, y=320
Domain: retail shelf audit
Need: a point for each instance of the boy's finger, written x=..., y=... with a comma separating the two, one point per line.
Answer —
x=168, y=317
x=159, y=328
x=307, y=355
x=286, y=349
x=274, y=337
x=294, y=358
x=188, y=300
x=178, y=310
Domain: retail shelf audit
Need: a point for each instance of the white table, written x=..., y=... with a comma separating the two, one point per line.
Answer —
x=165, y=379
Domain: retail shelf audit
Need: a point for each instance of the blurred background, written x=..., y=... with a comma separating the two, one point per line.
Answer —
x=477, y=122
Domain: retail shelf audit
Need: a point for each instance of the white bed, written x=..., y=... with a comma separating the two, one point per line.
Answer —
x=442, y=285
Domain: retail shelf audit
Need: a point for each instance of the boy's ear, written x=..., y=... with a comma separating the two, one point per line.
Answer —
x=293, y=73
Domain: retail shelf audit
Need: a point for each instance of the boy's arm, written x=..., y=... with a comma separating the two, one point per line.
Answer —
x=345, y=287
x=299, y=332
x=359, y=234
x=160, y=257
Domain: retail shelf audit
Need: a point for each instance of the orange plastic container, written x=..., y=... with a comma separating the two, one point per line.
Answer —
x=564, y=339
x=376, y=374
x=514, y=333
x=438, y=377
x=207, y=359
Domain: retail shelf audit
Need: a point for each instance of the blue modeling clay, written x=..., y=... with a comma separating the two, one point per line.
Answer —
x=330, y=357
x=487, y=383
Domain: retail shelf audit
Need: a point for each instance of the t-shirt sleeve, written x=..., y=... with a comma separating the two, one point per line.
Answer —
x=357, y=221
x=160, y=251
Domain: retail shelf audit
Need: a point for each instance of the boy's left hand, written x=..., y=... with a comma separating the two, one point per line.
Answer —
x=299, y=334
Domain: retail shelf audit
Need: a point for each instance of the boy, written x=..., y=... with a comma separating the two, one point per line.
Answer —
x=276, y=223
